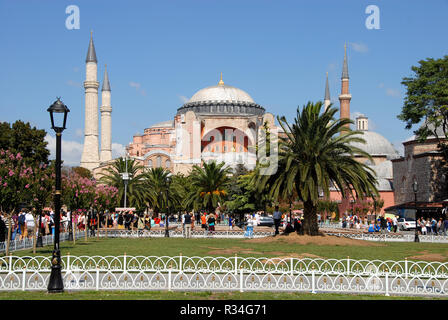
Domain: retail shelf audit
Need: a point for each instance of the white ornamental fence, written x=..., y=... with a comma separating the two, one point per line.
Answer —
x=180, y=234
x=182, y=273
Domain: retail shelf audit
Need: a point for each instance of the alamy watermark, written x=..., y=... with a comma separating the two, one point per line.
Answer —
x=373, y=20
x=73, y=20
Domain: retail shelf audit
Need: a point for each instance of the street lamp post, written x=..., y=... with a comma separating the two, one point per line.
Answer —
x=415, y=189
x=125, y=176
x=57, y=110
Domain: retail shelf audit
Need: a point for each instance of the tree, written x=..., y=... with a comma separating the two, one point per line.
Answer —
x=159, y=193
x=210, y=185
x=312, y=156
x=427, y=99
x=112, y=176
x=29, y=142
x=83, y=172
x=78, y=193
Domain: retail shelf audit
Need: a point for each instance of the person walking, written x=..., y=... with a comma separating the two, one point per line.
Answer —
x=30, y=224
x=277, y=218
x=211, y=223
x=204, y=221
x=187, y=224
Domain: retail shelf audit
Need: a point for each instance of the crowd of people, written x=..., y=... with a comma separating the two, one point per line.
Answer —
x=25, y=223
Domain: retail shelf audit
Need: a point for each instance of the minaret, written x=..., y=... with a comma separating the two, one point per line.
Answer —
x=327, y=100
x=106, y=120
x=345, y=96
x=90, y=154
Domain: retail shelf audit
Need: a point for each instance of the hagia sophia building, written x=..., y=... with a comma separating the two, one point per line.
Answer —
x=221, y=123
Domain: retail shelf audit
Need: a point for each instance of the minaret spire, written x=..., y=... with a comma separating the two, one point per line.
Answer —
x=327, y=100
x=91, y=54
x=90, y=155
x=345, y=66
x=345, y=96
x=106, y=84
x=106, y=120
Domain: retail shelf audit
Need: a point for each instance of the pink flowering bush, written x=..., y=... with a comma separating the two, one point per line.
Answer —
x=15, y=179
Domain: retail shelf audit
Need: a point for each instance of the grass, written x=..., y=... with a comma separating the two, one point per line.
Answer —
x=180, y=295
x=228, y=247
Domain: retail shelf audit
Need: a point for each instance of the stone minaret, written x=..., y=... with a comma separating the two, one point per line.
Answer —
x=345, y=96
x=327, y=100
x=90, y=155
x=106, y=120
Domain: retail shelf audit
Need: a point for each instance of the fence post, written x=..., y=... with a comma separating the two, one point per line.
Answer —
x=292, y=271
x=124, y=263
x=10, y=263
x=68, y=262
x=241, y=280
x=313, y=286
x=23, y=278
x=406, y=268
x=387, y=283
x=348, y=265
x=180, y=262
x=97, y=278
x=236, y=265
x=169, y=280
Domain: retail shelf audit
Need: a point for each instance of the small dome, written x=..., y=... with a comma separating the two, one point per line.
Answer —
x=383, y=169
x=221, y=92
x=376, y=145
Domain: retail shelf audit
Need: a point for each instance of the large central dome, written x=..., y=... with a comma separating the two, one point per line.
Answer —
x=222, y=99
x=221, y=92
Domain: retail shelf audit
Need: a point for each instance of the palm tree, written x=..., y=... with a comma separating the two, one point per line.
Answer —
x=112, y=176
x=158, y=191
x=209, y=186
x=316, y=152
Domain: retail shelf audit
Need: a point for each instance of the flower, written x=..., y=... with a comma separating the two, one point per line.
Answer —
x=27, y=186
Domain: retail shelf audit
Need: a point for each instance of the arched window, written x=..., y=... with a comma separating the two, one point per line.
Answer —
x=150, y=163
x=159, y=161
x=167, y=163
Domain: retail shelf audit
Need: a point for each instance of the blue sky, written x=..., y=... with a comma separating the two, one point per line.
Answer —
x=160, y=53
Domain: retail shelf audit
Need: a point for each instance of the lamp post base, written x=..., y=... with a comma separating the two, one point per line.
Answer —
x=39, y=243
x=56, y=284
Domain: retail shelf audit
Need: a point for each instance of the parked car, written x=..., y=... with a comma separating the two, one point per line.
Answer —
x=405, y=224
x=266, y=221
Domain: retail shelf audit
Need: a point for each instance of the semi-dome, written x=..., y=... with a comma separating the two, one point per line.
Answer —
x=376, y=145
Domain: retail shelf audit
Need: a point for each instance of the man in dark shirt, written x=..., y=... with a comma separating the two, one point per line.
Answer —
x=187, y=225
x=277, y=218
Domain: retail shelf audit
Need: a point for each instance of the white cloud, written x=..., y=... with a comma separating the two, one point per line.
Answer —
x=137, y=87
x=79, y=133
x=393, y=93
x=184, y=99
x=118, y=150
x=75, y=84
x=72, y=150
x=359, y=47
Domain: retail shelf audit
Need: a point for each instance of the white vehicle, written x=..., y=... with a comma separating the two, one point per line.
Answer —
x=405, y=224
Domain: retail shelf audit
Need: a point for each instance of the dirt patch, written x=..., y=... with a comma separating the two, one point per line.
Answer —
x=426, y=256
x=231, y=251
x=322, y=240
x=292, y=255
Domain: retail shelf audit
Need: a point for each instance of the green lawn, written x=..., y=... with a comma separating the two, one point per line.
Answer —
x=224, y=247
x=179, y=295
x=244, y=248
